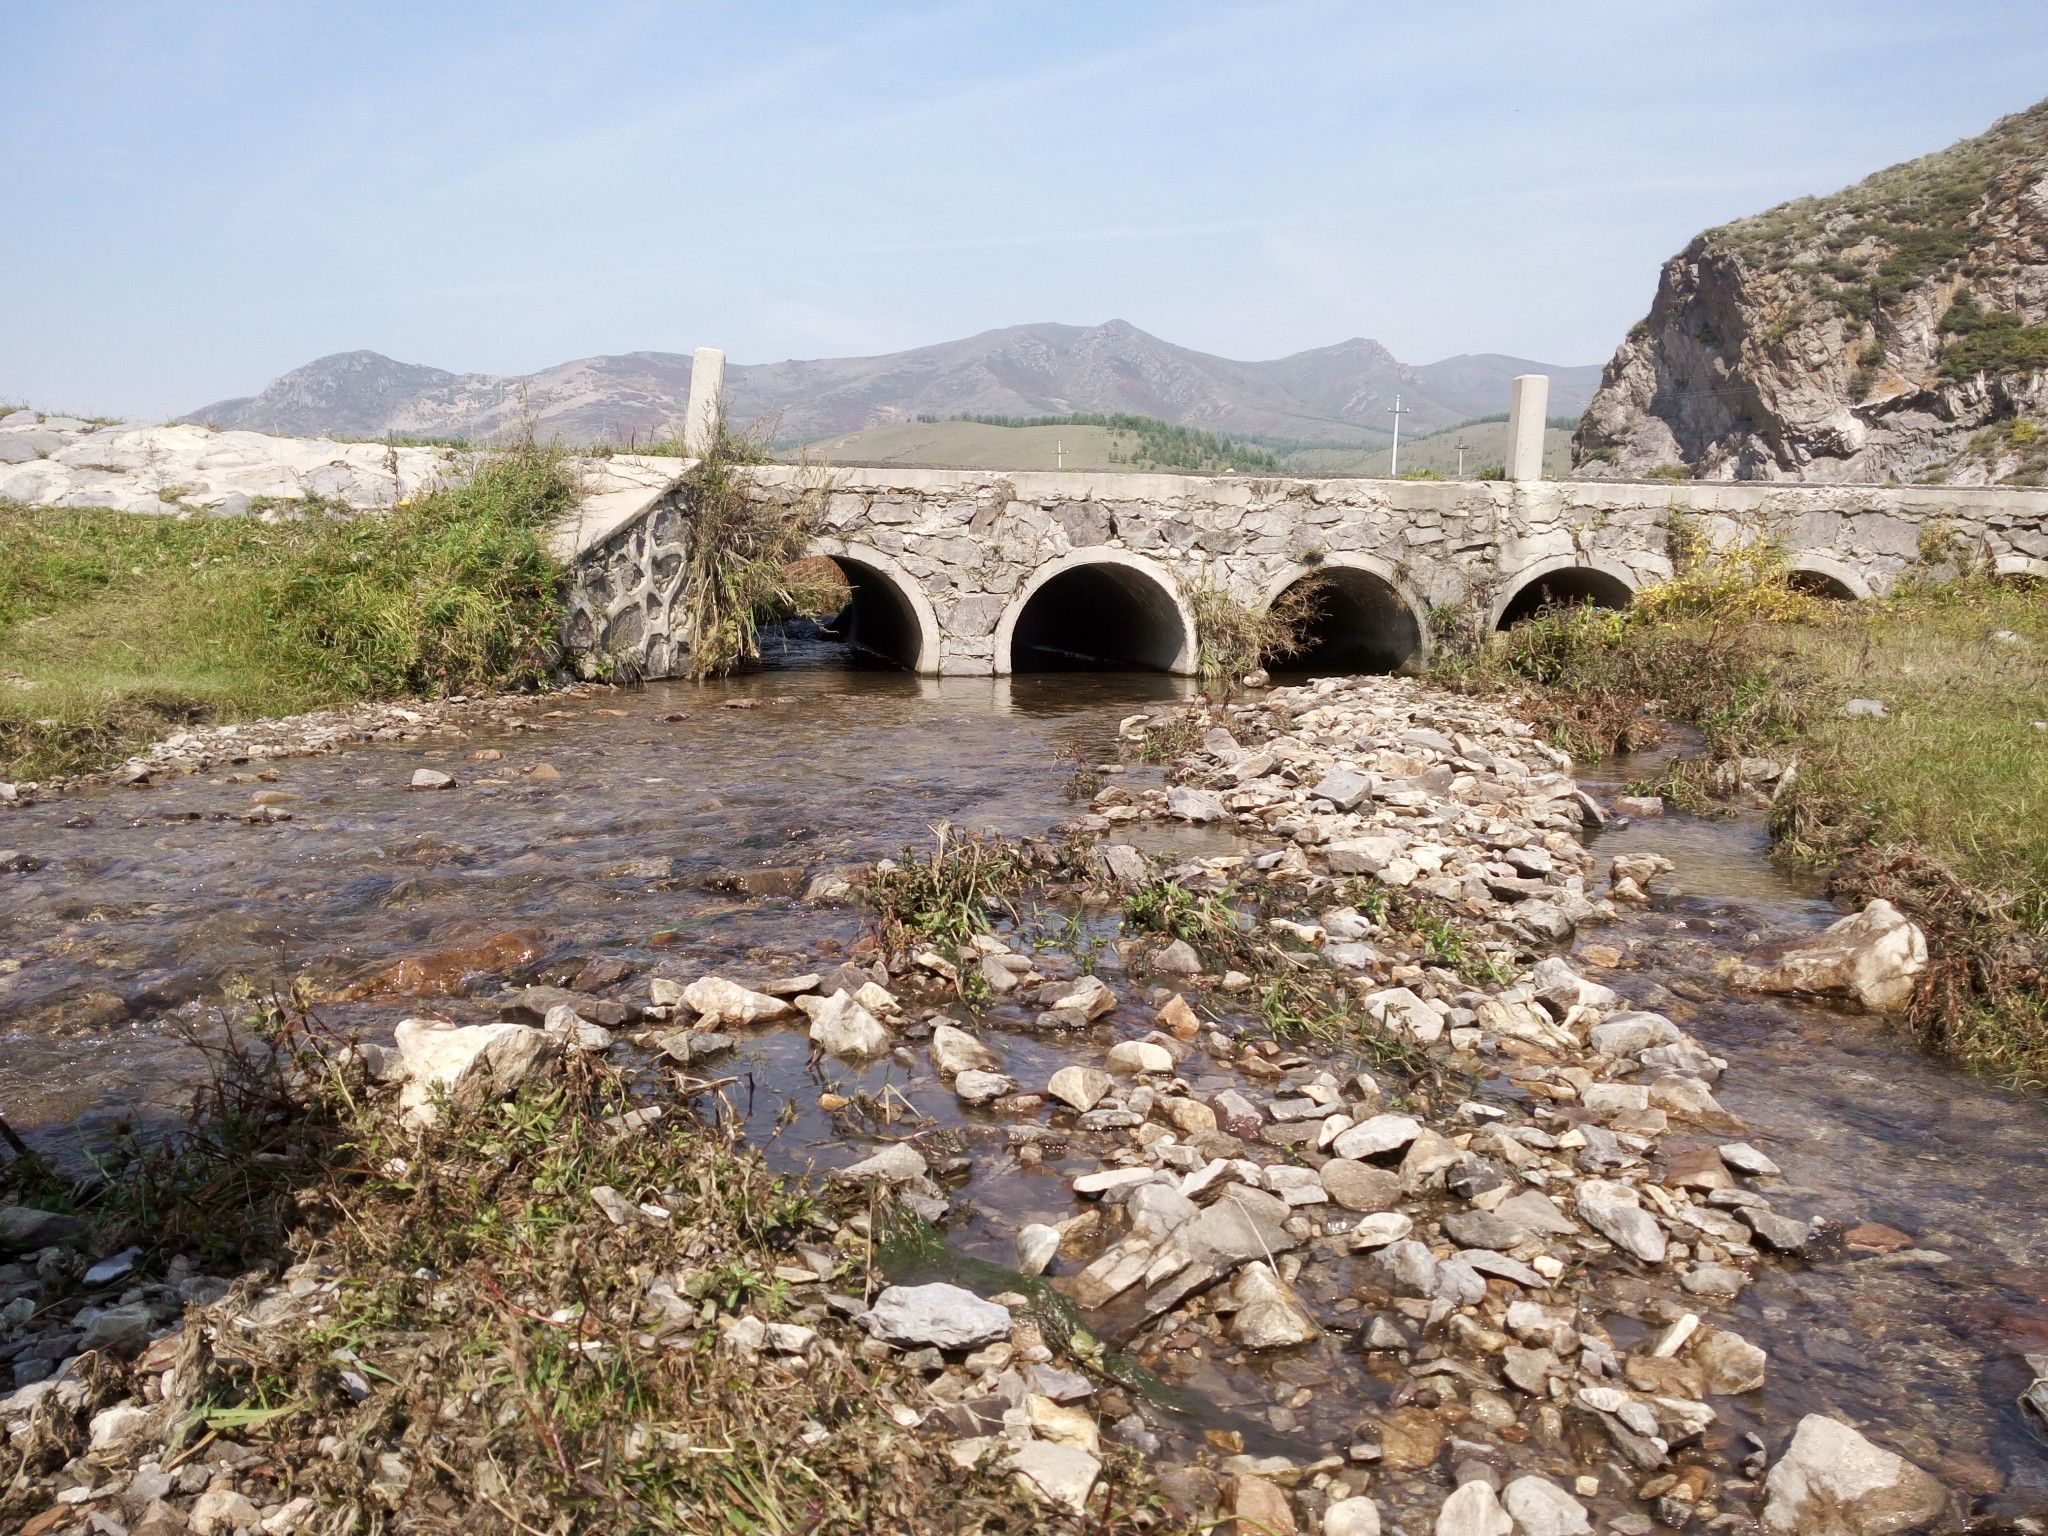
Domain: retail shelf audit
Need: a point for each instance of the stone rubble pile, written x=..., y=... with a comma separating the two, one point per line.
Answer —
x=65, y=461
x=1476, y=1259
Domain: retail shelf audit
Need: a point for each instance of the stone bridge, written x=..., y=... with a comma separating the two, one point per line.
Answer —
x=990, y=572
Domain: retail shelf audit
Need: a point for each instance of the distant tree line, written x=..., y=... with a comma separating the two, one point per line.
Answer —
x=1155, y=444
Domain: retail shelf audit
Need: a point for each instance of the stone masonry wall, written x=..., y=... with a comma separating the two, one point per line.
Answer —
x=967, y=548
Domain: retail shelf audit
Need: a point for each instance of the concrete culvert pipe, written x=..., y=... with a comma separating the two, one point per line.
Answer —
x=1104, y=617
x=1567, y=586
x=1360, y=623
x=877, y=621
x=1821, y=584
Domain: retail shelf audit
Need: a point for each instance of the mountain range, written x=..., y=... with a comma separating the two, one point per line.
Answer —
x=1337, y=395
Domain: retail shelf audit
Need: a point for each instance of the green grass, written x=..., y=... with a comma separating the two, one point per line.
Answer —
x=1957, y=768
x=1485, y=440
x=570, y=1371
x=1942, y=806
x=1989, y=341
x=114, y=627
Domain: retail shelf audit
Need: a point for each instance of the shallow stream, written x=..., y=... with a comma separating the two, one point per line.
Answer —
x=670, y=827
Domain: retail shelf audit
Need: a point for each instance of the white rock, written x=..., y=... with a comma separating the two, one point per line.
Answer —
x=897, y=1163
x=1080, y=1088
x=1380, y=1229
x=1744, y=1158
x=1268, y=1315
x=431, y=778
x=843, y=1027
x=1474, y=1510
x=1382, y=1133
x=467, y=1064
x=1401, y=1010
x=1036, y=1244
x=953, y=1050
x=116, y=1426
x=1613, y=1211
x=222, y=1511
x=1104, y=1180
x=1872, y=957
x=983, y=1087
x=1830, y=1481
x=1089, y=997
x=1540, y=1508
x=1363, y=855
x=570, y=1030
x=719, y=1001
x=1065, y=1474
x=1140, y=1056
x=1188, y=804
x=1356, y=1516
x=938, y=1315
x=877, y=999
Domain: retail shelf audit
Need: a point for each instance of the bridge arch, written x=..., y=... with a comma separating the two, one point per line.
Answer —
x=1367, y=621
x=1097, y=606
x=888, y=614
x=1825, y=576
x=1568, y=579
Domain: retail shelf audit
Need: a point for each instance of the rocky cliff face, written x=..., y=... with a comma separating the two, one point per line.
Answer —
x=1896, y=330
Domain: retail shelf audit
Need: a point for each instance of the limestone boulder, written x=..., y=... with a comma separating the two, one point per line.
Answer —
x=1540, y=1508
x=1831, y=1481
x=466, y=1065
x=1615, y=1211
x=954, y=1051
x=842, y=1027
x=1873, y=958
x=1473, y=1510
x=937, y=1316
x=1268, y=1314
x=719, y=1001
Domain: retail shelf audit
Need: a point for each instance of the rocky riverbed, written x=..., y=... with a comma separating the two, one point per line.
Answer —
x=1292, y=1158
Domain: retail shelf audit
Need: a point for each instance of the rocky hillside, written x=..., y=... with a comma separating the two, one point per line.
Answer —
x=1898, y=329
x=1332, y=395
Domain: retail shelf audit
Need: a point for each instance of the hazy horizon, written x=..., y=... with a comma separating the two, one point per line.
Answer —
x=206, y=200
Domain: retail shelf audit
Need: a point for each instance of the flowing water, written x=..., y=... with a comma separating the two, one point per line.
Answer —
x=664, y=828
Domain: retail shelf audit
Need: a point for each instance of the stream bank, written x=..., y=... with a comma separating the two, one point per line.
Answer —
x=1872, y=1338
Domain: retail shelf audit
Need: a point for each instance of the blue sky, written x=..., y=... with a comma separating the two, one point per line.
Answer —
x=200, y=196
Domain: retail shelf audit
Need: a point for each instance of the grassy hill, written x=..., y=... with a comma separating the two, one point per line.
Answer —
x=1486, y=444
x=987, y=445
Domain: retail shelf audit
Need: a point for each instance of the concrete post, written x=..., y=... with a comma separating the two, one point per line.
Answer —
x=707, y=392
x=1528, y=414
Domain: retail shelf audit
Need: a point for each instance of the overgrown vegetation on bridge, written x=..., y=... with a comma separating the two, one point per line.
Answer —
x=747, y=568
x=115, y=626
x=1940, y=804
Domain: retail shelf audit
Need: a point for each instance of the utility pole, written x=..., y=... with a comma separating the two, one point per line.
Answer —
x=1394, y=464
x=1059, y=454
x=1460, y=446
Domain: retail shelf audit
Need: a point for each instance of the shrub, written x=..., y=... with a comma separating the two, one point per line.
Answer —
x=452, y=591
x=1232, y=639
x=1980, y=340
x=745, y=568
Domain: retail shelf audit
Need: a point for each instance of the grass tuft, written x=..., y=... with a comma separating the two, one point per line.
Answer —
x=1951, y=784
x=115, y=627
